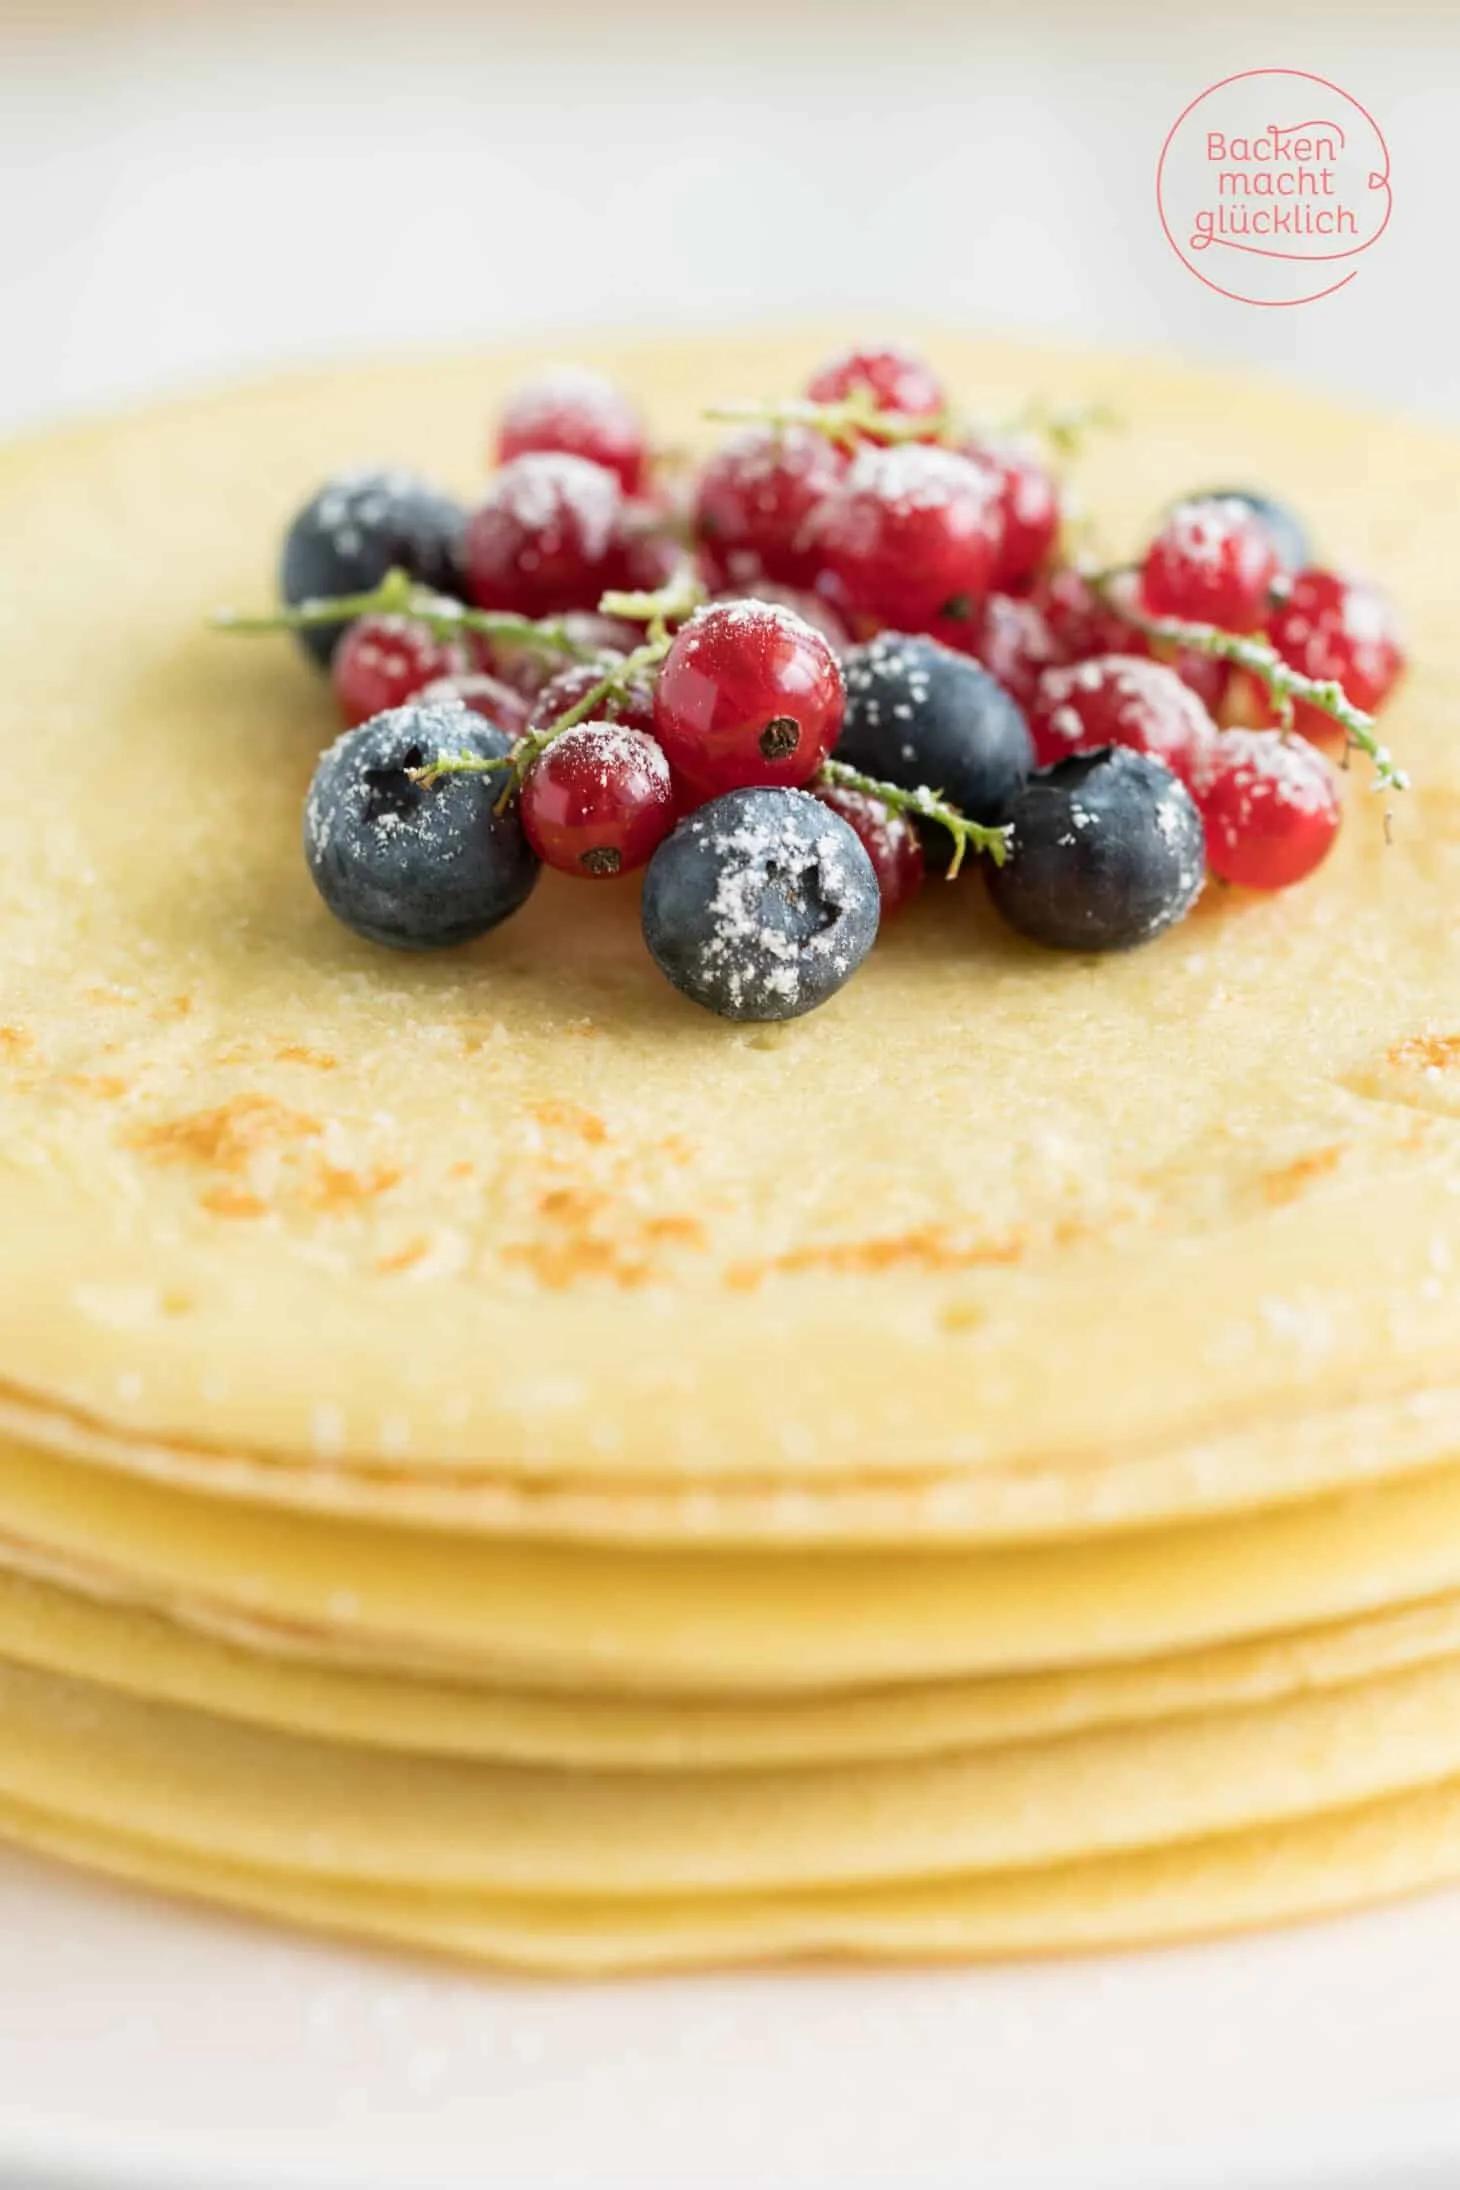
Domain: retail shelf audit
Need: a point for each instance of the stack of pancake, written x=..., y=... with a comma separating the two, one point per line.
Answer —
x=493, y=1459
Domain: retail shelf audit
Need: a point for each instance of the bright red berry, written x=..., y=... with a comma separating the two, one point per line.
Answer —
x=576, y=413
x=546, y=536
x=889, y=840
x=912, y=534
x=895, y=379
x=1339, y=628
x=485, y=696
x=1009, y=633
x=383, y=661
x=1270, y=806
x=1120, y=699
x=748, y=694
x=1212, y=562
x=635, y=709
x=755, y=501
x=1084, y=625
x=813, y=607
x=1029, y=508
x=599, y=800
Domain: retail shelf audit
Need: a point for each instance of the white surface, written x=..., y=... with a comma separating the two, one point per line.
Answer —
x=158, y=2048
x=195, y=191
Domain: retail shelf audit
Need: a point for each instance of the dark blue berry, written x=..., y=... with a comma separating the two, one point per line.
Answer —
x=1107, y=850
x=917, y=713
x=761, y=904
x=1287, y=533
x=410, y=864
x=357, y=527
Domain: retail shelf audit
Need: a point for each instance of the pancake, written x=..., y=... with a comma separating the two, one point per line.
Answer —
x=149, y=1655
x=635, y=1246
x=494, y=1460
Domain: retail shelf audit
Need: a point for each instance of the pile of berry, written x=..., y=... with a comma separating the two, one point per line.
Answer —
x=847, y=651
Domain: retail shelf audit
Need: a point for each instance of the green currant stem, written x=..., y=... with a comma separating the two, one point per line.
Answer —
x=670, y=604
x=1282, y=683
x=1065, y=427
x=398, y=595
x=928, y=806
x=855, y=418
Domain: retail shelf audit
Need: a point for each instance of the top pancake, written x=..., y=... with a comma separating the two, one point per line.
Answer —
x=997, y=1242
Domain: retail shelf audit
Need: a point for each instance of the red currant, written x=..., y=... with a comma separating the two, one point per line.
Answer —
x=748, y=694
x=1010, y=635
x=895, y=379
x=912, y=534
x=755, y=500
x=547, y=535
x=1212, y=562
x=576, y=413
x=1270, y=806
x=485, y=696
x=383, y=661
x=1085, y=625
x=569, y=686
x=599, y=800
x=1029, y=506
x=889, y=840
x=814, y=608
x=1120, y=699
x=1340, y=628
x=528, y=668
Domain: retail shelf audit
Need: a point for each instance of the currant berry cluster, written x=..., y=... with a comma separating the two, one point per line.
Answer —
x=848, y=652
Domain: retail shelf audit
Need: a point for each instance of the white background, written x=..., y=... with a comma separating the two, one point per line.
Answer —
x=192, y=191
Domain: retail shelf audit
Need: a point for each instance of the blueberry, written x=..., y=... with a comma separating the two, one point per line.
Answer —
x=357, y=527
x=1286, y=532
x=917, y=713
x=1107, y=851
x=408, y=864
x=760, y=905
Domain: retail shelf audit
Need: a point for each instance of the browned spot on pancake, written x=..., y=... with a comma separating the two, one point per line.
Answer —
x=232, y=1201
x=15, y=1042
x=926, y=1247
x=331, y=1187
x=462, y=1170
x=561, y=1260
x=687, y=1231
x=176, y=1007
x=1427, y=1053
x=403, y=1258
x=1289, y=1180
x=228, y=1137
x=109, y=1087
x=960, y=1315
x=571, y=1118
x=317, y=1060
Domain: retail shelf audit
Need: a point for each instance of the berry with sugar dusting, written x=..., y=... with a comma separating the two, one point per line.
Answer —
x=912, y=534
x=919, y=715
x=528, y=668
x=760, y=905
x=599, y=801
x=897, y=381
x=1212, y=562
x=383, y=661
x=1010, y=635
x=890, y=841
x=812, y=606
x=546, y=536
x=633, y=707
x=484, y=695
x=415, y=865
x=1286, y=532
x=1120, y=699
x=1329, y=626
x=574, y=412
x=748, y=694
x=358, y=526
x=1271, y=808
x=755, y=501
x=1105, y=852
x=1084, y=624
x=1029, y=508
